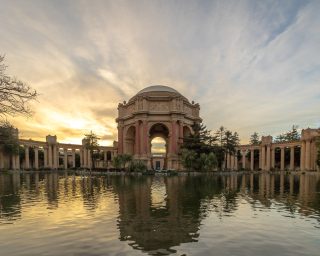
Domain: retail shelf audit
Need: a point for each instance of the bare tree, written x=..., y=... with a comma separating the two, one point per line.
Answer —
x=14, y=94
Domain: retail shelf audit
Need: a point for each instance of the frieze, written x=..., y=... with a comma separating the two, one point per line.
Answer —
x=158, y=106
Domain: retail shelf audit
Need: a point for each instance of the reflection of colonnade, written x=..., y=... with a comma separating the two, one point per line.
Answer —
x=300, y=154
x=53, y=155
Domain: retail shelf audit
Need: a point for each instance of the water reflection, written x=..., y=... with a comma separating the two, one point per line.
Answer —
x=154, y=214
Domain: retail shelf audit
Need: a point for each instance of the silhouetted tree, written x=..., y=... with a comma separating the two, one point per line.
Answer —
x=14, y=94
x=255, y=139
x=92, y=144
x=9, y=142
x=291, y=135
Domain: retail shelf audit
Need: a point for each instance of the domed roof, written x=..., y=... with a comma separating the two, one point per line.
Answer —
x=158, y=88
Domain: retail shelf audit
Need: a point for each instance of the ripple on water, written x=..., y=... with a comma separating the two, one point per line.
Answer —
x=53, y=214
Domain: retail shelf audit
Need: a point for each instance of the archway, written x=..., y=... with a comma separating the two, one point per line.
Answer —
x=159, y=140
x=130, y=141
x=186, y=131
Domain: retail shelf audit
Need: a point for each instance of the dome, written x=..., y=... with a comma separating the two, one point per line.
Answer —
x=158, y=88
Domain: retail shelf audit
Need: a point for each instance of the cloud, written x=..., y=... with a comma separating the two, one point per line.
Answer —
x=252, y=66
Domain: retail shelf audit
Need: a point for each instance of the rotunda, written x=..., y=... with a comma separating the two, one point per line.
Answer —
x=155, y=111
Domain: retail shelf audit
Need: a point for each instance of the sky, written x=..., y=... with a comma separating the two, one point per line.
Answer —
x=253, y=66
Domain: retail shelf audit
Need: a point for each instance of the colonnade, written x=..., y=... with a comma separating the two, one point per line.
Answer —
x=55, y=155
x=306, y=147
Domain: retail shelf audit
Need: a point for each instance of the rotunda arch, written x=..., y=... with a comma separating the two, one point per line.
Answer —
x=130, y=140
x=159, y=130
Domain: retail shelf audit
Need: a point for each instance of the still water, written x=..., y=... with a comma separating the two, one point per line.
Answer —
x=227, y=214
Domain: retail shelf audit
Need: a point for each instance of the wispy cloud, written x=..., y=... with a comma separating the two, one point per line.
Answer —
x=252, y=65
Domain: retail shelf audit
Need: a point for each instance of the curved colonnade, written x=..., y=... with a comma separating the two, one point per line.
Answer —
x=296, y=155
x=56, y=155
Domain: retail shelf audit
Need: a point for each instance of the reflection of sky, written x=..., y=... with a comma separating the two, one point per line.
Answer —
x=158, y=193
x=254, y=70
x=232, y=214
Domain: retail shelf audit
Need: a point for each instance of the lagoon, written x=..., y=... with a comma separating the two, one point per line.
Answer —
x=64, y=213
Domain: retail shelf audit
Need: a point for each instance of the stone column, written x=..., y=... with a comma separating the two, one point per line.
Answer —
x=252, y=159
x=73, y=158
x=313, y=155
x=268, y=158
x=18, y=162
x=173, y=137
x=137, y=140
x=85, y=157
x=89, y=159
x=65, y=158
x=263, y=158
x=27, y=162
x=145, y=138
x=292, y=158
x=13, y=160
x=81, y=157
x=228, y=161
x=50, y=156
x=232, y=162
x=36, y=158
x=181, y=132
x=120, y=138
x=55, y=157
x=45, y=157
x=260, y=159
x=243, y=159
x=302, y=155
x=236, y=162
x=282, y=159
x=307, y=161
x=273, y=157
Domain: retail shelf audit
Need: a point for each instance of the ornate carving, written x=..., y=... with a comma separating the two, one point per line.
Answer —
x=159, y=106
x=187, y=110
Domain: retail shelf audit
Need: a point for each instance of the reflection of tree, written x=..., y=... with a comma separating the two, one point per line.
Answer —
x=10, y=200
x=90, y=190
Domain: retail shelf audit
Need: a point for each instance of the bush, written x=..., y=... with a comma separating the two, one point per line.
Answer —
x=137, y=166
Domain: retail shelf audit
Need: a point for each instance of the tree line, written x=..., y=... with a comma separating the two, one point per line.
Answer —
x=203, y=150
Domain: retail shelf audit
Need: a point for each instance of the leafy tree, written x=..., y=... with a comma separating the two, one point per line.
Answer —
x=188, y=158
x=14, y=94
x=203, y=142
x=137, y=166
x=125, y=159
x=121, y=161
x=9, y=141
x=227, y=144
x=92, y=144
x=293, y=135
x=255, y=139
x=116, y=162
x=200, y=141
x=208, y=161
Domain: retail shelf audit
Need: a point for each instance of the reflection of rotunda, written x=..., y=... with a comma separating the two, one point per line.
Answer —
x=156, y=111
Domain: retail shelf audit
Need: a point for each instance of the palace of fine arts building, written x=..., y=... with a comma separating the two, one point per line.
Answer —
x=161, y=111
x=159, y=128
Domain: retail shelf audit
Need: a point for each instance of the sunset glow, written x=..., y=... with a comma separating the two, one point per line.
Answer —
x=254, y=71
